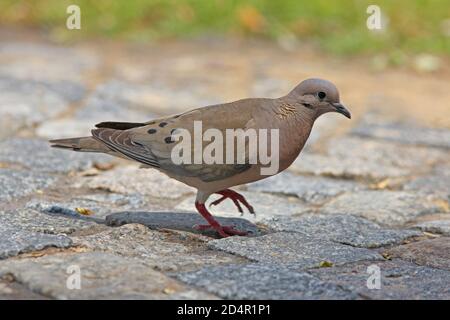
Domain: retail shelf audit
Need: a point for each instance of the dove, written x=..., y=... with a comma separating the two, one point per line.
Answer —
x=152, y=143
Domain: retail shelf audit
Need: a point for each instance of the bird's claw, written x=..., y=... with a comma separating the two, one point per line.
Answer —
x=237, y=199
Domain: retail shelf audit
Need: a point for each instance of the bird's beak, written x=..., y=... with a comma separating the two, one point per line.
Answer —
x=342, y=110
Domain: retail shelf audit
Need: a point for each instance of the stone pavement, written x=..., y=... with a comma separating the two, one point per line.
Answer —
x=368, y=194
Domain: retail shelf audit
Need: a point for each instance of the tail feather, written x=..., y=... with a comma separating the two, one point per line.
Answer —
x=84, y=144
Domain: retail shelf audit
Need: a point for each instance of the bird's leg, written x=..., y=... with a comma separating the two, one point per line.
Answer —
x=237, y=198
x=224, y=231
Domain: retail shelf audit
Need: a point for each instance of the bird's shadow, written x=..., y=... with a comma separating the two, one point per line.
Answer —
x=183, y=221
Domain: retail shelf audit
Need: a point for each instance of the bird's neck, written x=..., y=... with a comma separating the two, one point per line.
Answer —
x=295, y=124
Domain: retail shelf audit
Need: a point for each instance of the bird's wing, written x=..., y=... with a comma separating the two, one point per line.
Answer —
x=152, y=144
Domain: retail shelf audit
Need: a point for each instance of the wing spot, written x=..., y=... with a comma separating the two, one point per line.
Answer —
x=151, y=131
x=168, y=140
x=163, y=124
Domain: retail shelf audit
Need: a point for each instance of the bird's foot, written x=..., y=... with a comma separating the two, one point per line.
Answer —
x=237, y=199
x=224, y=231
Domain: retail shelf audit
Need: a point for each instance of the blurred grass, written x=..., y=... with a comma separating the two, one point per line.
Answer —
x=414, y=26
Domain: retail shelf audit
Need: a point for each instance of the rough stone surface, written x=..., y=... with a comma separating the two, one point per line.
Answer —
x=435, y=226
x=386, y=207
x=352, y=157
x=287, y=247
x=169, y=251
x=314, y=190
x=25, y=103
x=183, y=221
x=49, y=223
x=432, y=253
x=437, y=182
x=407, y=133
x=259, y=281
x=18, y=183
x=399, y=280
x=103, y=276
x=15, y=240
x=99, y=205
x=38, y=156
x=10, y=290
x=134, y=180
x=265, y=206
x=345, y=229
x=43, y=61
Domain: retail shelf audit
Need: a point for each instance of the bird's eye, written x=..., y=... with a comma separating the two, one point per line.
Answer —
x=321, y=95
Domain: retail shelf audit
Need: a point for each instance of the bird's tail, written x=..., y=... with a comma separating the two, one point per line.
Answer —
x=84, y=144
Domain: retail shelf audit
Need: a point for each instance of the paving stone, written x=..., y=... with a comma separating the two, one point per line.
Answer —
x=432, y=253
x=399, y=280
x=403, y=132
x=292, y=248
x=437, y=182
x=37, y=155
x=259, y=281
x=168, y=251
x=10, y=290
x=393, y=208
x=18, y=183
x=134, y=180
x=183, y=221
x=38, y=61
x=314, y=190
x=110, y=101
x=15, y=240
x=345, y=229
x=435, y=226
x=99, y=205
x=103, y=276
x=48, y=223
x=353, y=157
x=26, y=103
x=265, y=205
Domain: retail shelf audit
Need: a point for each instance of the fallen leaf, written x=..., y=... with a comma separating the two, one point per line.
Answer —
x=84, y=211
x=325, y=264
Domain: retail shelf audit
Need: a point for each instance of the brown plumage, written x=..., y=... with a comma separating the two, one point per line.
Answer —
x=151, y=143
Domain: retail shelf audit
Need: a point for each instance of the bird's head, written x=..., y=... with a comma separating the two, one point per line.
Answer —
x=318, y=96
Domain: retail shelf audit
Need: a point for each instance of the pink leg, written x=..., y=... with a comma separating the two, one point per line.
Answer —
x=224, y=231
x=237, y=198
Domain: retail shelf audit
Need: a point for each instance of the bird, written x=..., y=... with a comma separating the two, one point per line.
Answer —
x=151, y=143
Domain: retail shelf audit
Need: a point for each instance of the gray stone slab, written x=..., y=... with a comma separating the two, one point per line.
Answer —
x=168, y=251
x=353, y=157
x=345, y=229
x=435, y=226
x=265, y=206
x=37, y=155
x=102, y=275
x=18, y=183
x=29, y=60
x=14, y=241
x=10, y=290
x=436, y=182
x=311, y=189
x=292, y=248
x=183, y=221
x=393, y=208
x=399, y=280
x=35, y=221
x=432, y=253
x=25, y=103
x=131, y=180
x=374, y=126
x=99, y=205
x=259, y=281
